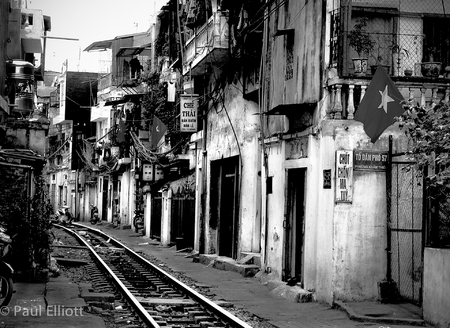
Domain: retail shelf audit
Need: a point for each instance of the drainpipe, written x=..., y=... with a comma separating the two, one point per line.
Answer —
x=388, y=211
x=203, y=189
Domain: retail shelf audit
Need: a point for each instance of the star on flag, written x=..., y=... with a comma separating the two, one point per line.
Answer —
x=157, y=130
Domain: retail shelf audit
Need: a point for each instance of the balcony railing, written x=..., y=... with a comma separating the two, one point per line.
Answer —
x=208, y=39
x=104, y=84
x=344, y=95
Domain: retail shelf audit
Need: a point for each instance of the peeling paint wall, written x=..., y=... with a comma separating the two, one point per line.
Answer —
x=31, y=135
x=345, y=243
x=225, y=140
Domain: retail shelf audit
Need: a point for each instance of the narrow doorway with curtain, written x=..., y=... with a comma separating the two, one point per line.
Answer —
x=294, y=227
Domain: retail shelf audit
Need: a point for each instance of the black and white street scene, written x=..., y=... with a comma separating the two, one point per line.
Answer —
x=225, y=163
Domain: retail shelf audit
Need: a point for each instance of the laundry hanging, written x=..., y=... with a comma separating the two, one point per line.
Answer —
x=171, y=88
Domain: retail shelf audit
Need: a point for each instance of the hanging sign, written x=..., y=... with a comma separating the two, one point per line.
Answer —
x=188, y=112
x=344, y=176
x=370, y=160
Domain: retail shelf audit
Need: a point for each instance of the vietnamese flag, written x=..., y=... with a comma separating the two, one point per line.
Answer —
x=157, y=131
x=380, y=105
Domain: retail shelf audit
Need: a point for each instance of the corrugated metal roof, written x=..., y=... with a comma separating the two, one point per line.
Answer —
x=99, y=45
x=144, y=50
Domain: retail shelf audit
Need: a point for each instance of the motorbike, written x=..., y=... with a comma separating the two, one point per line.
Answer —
x=138, y=221
x=94, y=215
x=6, y=270
x=60, y=217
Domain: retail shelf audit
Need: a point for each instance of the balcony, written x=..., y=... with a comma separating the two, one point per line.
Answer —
x=209, y=41
x=100, y=113
x=346, y=94
x=403, y=35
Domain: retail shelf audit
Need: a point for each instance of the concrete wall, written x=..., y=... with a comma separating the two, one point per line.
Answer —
x=275, y=210
x=436, y=286
x=31, y=135
x=222, y=143
x=345, y=243
x=319, y=259
x=166, y=217
x=124, y=198
x=360, y=227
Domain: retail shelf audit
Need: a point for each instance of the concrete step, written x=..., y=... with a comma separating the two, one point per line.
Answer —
x=250, y=258
x=229, y=264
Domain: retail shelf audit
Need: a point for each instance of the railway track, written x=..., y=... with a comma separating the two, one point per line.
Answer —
x=155, y=297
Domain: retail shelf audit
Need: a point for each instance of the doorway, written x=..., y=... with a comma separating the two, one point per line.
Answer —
x=224, y=204
x=294, y=227
x=104, y=187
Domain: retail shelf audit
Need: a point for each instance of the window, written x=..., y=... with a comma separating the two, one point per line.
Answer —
x=289, y=41
x=438, y=223
x=27, y=20
x=436, y=41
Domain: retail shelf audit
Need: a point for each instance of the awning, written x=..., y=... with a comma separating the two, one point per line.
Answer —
x=123, y=94
x=32, y=46
x=99, y=45
x=144, y=50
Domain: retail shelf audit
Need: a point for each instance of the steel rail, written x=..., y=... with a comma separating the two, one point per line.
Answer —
x=216, y=309
x=140, y=310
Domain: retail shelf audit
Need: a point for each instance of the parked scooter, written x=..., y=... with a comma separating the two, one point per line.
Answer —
x=138, y=221
x=6, y=270
x=94, y=214
x=62, y=216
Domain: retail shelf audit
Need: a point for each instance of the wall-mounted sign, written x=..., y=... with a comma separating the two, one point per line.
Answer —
x=326, y=179
x=188, y=112
x=370, y=160
x=344, y=176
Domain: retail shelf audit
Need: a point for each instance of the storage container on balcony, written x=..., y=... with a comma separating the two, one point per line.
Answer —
x=19, y=70
x=24, y=102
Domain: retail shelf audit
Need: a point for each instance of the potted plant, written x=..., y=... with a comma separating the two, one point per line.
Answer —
x=380, y=58
x=408, y=71
x=361, y=41
x=431, y=68
x=398, y=54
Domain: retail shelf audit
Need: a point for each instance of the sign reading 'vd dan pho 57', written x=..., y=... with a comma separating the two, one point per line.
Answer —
x=370, y=160
x=188, y=112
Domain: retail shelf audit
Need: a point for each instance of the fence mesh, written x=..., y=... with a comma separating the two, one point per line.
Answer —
x=406, y=231
x=404, y=33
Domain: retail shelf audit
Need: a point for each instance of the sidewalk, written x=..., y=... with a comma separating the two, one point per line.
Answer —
x=54, y=304
x=251, y=295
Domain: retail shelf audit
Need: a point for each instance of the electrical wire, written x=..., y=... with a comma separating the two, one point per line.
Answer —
x=57, y=151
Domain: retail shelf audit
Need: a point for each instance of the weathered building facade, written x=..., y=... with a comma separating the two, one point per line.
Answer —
x=69, y=114
x=283, y=171
x=338, y=226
